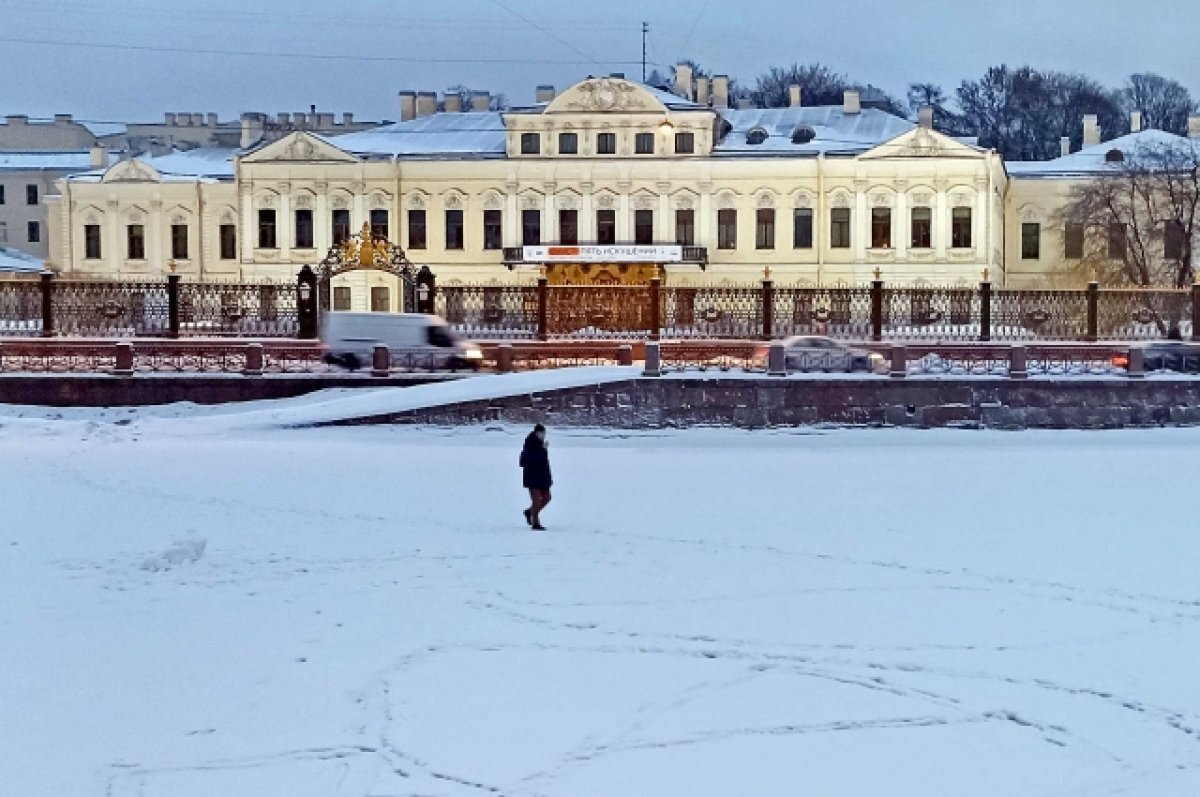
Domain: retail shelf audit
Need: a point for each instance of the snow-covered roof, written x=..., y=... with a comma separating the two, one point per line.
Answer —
x=212, y=162
x=834, y=130
x=466, y=134
x=1093, y=160
x=14, y=260
x=63, y=161
x=102, y=129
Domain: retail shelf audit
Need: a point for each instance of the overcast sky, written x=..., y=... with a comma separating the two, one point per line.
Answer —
x=355, y=55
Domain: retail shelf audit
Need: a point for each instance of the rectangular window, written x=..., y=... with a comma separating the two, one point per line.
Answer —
x=568, y=144
x=341, y=298
x=135, y=242
x=1116, y=241
x=455, y=238
x=922, y=228
x=1073, y=241
x=416, y=229
x=179, y=242
x=266, y=228
x=764, y=228
x=1, y=195
x=568, y=227
x=881, y=228
x=531, y=144
x=961, y=228
x=91, y=241
x=643, y=144
x=802, y=228
x=228, y=235
x=379, y=223
x=1174, y=235
x=531, y=227
x=340, y=222
x=3, y=232
x=304, y=229
x=380, y=300
x=31, y=195
x=685, y=227
x=34, y=232
x=606, y=226
x=606, y=143
x=685, y=143
x=643, y=227
x=493, y=230
x=727, y=228
x=1031, y=241
x=839, y=228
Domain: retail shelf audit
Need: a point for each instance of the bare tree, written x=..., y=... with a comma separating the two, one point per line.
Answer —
x=496, y=102
x=819, y=85
x=1164, y=103
x=1136, y=223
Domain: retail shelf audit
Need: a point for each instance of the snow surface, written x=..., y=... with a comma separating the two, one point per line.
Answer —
x=194, y=606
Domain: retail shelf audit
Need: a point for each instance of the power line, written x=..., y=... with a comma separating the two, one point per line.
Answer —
x=559, y=39
x=303, y=56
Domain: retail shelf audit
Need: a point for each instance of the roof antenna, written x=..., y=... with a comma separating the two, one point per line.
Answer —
x=645, y=31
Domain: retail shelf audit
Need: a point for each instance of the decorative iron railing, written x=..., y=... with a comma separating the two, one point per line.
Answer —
x=1143, y=314
x=208, y=309
x=490, y=311
x=719, y=312
x=834, y=312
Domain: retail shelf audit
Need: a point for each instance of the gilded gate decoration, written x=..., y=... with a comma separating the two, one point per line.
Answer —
x=601, y=273
x=367, y=251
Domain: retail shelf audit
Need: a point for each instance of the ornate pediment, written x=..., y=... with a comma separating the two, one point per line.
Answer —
x=923, y=143
x=606, y=95
x=131, y=171
x=301, y=147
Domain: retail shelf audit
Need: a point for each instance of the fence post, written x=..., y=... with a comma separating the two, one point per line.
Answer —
x=172, y=305
x=625, y=354
x=1137, y=363
x=1196, y=312
x=47, y=304
x=543, y=295
x=985, y=309
x=776, y=359
x=1093, y=310
x=655, y=308
x=768, y=308
x=306, y=303
x=1018, y=362
x=877, y=307
x=504, y=358
x=254, y=360
x=653, y=360
x=899, y=369
x=381, y=361
x=124, y=359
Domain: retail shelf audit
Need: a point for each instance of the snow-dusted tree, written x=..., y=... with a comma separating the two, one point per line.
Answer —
x=1136, y=224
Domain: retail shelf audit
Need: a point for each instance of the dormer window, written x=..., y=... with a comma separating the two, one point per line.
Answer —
x=756, y=136
x=803, y=134
x=531, y=144
x=1114, y=156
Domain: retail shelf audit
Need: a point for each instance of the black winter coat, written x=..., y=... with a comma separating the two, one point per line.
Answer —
x=535, y=462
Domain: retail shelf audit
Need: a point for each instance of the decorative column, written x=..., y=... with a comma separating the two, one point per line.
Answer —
x=980, y=221
x=940, y=214
x=901, y=223
x=861, y=223
x=285, y=225
x=512, y=215
x=624, y=213
x=664, y=225
x=705, y=219
x=248, y=237
x=322, y=219
x=587, y=214
x=156, y=255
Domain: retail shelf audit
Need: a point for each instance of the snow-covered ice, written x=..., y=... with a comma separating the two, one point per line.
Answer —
x=198, y=607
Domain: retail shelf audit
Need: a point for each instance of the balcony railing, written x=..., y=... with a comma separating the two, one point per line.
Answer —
x=690, y=254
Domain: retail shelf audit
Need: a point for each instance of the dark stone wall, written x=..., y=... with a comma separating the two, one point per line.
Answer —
x=98, y=390
x=1075, y=403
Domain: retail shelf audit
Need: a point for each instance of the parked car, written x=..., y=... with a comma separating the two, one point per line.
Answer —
x=818, y=353
x=414, y=340
x=1172, y=355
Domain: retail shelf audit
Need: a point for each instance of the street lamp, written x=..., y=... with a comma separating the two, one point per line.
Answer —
x=305, y=291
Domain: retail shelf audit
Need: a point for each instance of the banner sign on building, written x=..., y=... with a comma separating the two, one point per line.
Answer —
x=602, y=254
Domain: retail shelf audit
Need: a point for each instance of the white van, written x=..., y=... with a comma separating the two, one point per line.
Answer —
x=414, y=340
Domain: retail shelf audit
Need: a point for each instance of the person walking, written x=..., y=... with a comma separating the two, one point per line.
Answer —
x=535, y=467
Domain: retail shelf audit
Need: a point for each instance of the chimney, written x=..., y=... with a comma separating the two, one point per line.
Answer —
x=197, y=120
x=284, y=118
x=851, y=103
x=347, y=119
x=212, y=120
x=252, y=128
x=99, y=157
x=169, y=119
x=743, y=103
x=794, y=95
x=183, y=119
x=1091, y=130
x=545, y=93
x=408, y=106
x=481, y=101
x=720, y=91
x=1135, y=122
x=324, y=121
x=454, y=103
x=702, y=90
x=1064, y=145
x=62, y=118
x=426, y=103
x=684, y=85
x=16, y=120
x=925, y=117
x=1194, y=126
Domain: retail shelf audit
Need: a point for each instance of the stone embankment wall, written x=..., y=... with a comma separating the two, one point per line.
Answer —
x=1069, y=403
